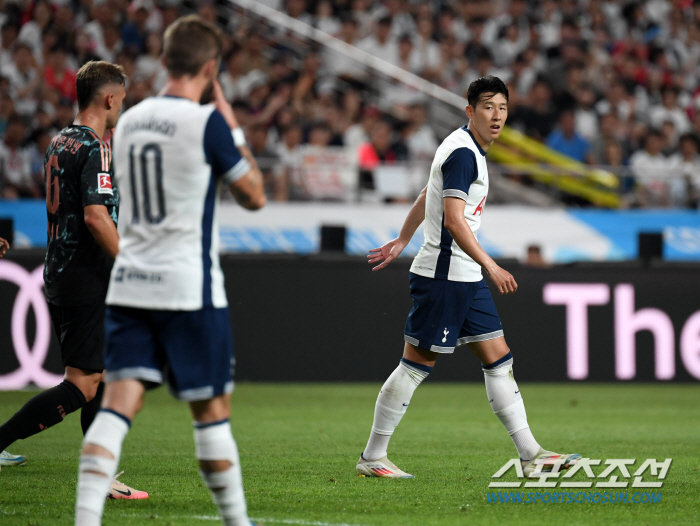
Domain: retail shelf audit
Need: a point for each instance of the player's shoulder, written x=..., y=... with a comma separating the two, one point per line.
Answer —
x=164, y=114
x=459, y=141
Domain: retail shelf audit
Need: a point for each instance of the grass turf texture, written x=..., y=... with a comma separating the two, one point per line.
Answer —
x=299, y=445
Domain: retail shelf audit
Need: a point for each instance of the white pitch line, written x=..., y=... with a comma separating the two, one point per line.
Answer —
x=264, y=520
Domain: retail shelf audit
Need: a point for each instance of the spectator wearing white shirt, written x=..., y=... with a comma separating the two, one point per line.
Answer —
x=426, y=49
x=381, y=44
x=685, y=166
x=650, y=169
x=149, y=65
x=324, y=20
x=16, y=163
x=32, y=31
x=418, y=135
x=669, y=110
x=8, y=36
x=25, y=79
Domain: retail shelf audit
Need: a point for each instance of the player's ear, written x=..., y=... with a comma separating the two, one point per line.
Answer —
x=469, y=111
x=109, y=100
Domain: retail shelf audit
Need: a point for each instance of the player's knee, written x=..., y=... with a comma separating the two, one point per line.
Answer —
x=87, y=383
x=214, y=443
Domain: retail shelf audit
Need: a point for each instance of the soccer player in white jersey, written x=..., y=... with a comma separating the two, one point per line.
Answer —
x=167, y=316
x=452, y=306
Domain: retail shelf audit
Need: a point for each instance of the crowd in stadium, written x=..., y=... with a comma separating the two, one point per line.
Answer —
x=609, y=83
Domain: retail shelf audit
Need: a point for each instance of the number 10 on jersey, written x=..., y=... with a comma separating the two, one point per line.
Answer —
x=146, y=178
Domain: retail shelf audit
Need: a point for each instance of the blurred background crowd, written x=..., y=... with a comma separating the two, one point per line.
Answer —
x=610, y=83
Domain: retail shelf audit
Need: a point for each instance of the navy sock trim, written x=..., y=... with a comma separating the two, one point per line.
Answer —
x=424, y=368
x=128, y=422
x=498, y=362
x=204, y=425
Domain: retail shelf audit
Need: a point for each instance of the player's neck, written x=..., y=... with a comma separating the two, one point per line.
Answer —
x=479, y=139
x=185, y=87
x=92, y=120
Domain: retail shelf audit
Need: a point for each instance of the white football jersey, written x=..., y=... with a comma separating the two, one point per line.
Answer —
x=458, y=170
x=171, y=156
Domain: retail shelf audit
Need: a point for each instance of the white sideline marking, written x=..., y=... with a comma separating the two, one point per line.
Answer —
x=264, y=520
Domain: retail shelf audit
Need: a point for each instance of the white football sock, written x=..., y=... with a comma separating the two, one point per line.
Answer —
x=214, y=441
x=507, y=404
x=391, y=405
x=96, y=472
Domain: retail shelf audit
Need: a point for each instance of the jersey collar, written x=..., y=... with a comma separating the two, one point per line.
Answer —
x=482, y=152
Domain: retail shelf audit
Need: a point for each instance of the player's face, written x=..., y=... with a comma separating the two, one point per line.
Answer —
x=489, y=116
x=117, y=99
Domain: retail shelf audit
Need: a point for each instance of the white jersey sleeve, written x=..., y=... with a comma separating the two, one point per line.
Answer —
x=171, y=157
x=458, y=170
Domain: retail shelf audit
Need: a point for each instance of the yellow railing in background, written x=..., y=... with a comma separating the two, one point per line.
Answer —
x=524, y=155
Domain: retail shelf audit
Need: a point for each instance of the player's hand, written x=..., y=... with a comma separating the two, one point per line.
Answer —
x=4, y=245
x=386, y=254
x=504, y=281
x=223, y=106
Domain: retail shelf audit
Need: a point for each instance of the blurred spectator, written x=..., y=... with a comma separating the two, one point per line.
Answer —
x=32, y=31
x=7, y=39
x=57, y=74
x=381, y=149
x=537, y=117
x=650, y=169
x=565, y=139
x=418, y=135
x=16, y=163
x=381, y=44
x=149, y=66
x=685, y=165
x=82, y=53
x=534, y=258
x=359, y=133
x=266, y=158
x=25, y=79
x=668, y=110
x=610, y=130
x=134, y=32
x=324, y=20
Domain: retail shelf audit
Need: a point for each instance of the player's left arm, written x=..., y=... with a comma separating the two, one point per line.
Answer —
x=102, y=228
x=456, y=225
x=97, y=194
x=391, y=250
x=4, y=245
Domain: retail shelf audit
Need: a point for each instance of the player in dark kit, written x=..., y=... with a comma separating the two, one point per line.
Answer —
x=82, y=207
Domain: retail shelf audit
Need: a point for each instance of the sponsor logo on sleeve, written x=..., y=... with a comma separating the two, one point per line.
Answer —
x=104, y=183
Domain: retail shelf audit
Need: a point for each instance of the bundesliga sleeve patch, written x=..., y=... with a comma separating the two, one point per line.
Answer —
x=104, y=184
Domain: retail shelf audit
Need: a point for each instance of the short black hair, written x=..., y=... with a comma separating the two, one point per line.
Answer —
x=93, y=76
x=485, y=85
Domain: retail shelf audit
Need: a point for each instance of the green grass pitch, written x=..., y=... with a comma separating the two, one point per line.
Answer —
x=299, y=445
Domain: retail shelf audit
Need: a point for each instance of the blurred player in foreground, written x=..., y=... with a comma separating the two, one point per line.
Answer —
x=452, y=305
x=82, y=208
x=167, y=316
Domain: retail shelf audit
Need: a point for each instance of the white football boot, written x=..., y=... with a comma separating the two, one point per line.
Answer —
x=547, y=459
x=8, y=459
x=382, y=467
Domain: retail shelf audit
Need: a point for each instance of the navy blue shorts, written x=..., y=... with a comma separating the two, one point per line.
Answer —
x=192, y=350
x=447, y=314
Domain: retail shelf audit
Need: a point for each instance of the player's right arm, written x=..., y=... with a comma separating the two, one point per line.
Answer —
x=4, y=245
x=248, y=189
x=391, y=250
